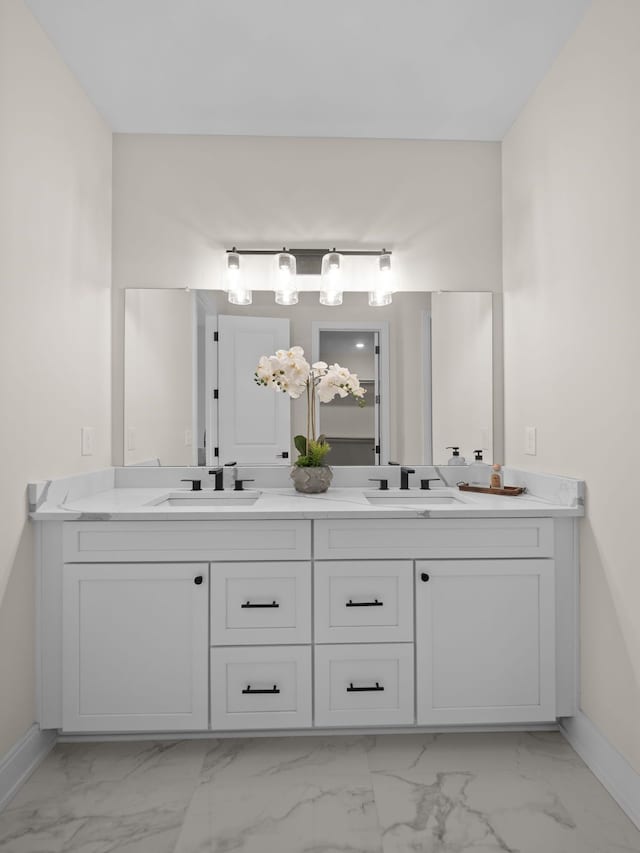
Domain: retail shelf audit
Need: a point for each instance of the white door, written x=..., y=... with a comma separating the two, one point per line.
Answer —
x=135, y=647
x=485, y=641
x=254, y=423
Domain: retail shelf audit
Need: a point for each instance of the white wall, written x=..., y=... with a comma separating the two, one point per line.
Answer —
x=180, y=200
x=55, y=227
x=571, y=174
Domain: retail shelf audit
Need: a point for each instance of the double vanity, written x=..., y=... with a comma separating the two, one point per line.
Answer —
x=167, y=610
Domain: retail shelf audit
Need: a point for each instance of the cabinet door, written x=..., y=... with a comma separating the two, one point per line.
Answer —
x=485, y=641
x=135, y=647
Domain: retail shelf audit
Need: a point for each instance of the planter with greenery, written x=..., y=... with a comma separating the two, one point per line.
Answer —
x=289, y=372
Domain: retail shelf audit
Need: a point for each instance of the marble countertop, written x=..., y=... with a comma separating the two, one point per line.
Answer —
x=147, y=504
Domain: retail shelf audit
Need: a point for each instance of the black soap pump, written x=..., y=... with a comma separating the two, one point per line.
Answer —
x=456, y=459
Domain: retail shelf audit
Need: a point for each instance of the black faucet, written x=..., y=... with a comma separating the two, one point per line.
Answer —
x=404, y=476
x=219, y=482
x=196, y=485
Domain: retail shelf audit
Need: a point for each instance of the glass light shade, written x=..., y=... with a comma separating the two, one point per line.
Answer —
x=383, y=293
x=378, y=298
x=237, y=294
x=331, y=283
x=286, y=289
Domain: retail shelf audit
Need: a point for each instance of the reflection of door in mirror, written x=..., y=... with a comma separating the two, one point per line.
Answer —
x=254, y=424
x=352, y=431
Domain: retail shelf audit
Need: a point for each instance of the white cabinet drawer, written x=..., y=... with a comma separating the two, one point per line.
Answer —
x=364, y=602
x=126, y=541
x=415, y=538
x=257, y=603
x=261, y=688
x=364, y=685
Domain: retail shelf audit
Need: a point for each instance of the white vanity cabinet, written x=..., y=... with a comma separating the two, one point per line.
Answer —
x=485, y=641
x=290, y=624
x=134, y=647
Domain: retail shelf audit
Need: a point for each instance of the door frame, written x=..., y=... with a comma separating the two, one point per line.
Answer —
x=382, y=328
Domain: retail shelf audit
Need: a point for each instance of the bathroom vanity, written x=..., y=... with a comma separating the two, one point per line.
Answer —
x=160, y=613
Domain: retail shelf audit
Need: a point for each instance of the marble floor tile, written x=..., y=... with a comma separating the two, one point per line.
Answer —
x=304, y=815
x=98, y=798
x=497, y=810
x=280, y=759
x=444, y=793
x=432, y=752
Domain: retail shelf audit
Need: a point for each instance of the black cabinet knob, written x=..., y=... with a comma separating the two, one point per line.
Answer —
x=198, y=580
x=424, y=577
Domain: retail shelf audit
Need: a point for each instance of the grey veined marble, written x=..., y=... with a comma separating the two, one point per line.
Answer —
x=453, y=793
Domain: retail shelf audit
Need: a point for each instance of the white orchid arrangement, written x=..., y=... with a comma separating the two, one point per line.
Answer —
x=289, y=371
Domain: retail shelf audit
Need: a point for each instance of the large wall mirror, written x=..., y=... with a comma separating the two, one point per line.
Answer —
x=426, y=361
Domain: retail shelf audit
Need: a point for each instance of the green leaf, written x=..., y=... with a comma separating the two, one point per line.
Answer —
x=300, y=442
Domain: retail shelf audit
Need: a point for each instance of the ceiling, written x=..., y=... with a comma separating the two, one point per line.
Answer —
x=400, y=69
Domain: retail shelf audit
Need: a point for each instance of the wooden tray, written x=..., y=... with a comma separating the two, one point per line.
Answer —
x=505, y=490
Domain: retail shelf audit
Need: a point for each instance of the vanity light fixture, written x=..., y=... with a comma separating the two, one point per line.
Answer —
x=382, y=293
x=331, y=286
x=237, y=294
x=293, y=262
x=286, y=288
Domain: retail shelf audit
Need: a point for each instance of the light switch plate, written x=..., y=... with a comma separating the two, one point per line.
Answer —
x=530, y=441
x=87, y=441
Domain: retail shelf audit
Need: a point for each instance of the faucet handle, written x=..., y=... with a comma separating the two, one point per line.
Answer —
x=196, y=485
x=239, y=484
x=384, y=483
x=425, y=484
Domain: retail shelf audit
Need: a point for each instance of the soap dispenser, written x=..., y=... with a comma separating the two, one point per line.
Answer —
x=456, y=459
x=479, y=471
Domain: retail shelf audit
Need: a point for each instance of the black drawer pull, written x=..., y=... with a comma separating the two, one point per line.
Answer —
x=375, y=603
x=248, y=605
x=376, y=689
x=248, y=689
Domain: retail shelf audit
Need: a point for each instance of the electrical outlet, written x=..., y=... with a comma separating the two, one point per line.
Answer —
x=87, y=441
x=187, y=438
x=131, y=438
x=530, y=441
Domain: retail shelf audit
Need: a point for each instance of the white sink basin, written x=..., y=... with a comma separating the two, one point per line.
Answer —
x=208, y=499
x=406, y=497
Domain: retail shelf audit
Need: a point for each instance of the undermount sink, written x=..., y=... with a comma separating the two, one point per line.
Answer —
x=397, y=497
x=213, y=499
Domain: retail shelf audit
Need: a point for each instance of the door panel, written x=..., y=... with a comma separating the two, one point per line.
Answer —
x=254, y=423
x=135, y=647
x=485, y=641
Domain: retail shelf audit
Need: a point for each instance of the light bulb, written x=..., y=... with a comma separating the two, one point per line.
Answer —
x=383, y=293
x=237, y=294
x=286, y=288
x=331, y=286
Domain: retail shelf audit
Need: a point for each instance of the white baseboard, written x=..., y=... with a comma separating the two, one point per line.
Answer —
x=22, y=759
x=605, y=762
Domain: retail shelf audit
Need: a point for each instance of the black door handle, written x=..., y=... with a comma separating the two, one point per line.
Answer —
x=248, y=689
x=198, y=580
x=424, y=577
x=248, y=605
x=375, y=603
